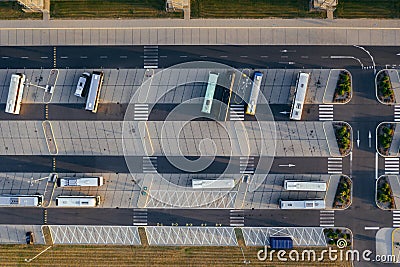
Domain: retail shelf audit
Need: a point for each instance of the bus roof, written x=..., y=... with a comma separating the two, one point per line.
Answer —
x=213, y=184
x=305, y=186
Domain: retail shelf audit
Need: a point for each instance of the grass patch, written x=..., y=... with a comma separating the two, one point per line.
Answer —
x=252, y=9
x=12, y=10
x=12, y=255
x=353, y=9
x=80, y=9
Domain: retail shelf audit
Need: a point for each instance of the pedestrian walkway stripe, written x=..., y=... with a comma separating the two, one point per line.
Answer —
x=325, y=112
x=392, y=166
x=236, y=218
x=236, y=112
x=139, y=217
x=396, y=218
x=149, y=164
x=335, y=165
x=150, y=57
x=141, y=112
x=397, y=113
x=327, y=218
x=246, y=165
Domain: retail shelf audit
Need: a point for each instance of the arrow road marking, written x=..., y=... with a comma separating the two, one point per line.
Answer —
x=369, y=138
x=284, y=112
x=287, y=165
x=358, y=138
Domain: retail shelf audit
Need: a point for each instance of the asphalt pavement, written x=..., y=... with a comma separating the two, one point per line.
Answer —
x=363, y=113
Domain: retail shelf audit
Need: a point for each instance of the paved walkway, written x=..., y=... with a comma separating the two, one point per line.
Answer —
x=200, y=31
x=331, y=86
x=331, y=193
x=395, y=185
x=395, y=145
x=395, y=81
x=384, y=241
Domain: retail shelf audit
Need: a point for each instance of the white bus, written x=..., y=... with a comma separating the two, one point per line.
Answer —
x=77, y=201
x=292, y=185
x=14, y=99
x=21, y=200
x=255, y=90
x=209, y=97
x=302, y=204
x=80, y=181
x=96, y=82
x=299, y=96
x=213, y=184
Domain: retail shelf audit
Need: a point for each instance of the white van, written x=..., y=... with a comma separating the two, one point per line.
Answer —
x=80, y=181
x=80, y=88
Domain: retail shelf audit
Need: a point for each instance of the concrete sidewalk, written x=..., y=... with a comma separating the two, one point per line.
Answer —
x=200, y=31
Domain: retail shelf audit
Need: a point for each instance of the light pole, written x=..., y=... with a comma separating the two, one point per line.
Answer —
x=37, y=180
x=40, y=253
x=245, y=261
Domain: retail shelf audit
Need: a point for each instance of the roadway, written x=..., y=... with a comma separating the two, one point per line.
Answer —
x=246, y=56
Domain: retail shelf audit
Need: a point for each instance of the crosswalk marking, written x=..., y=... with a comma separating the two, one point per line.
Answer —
x=140, y=217
x=149, y=164
x=391, y=165
x=236, y=218
x=247, y=165
x=397, y=113
x=236, y=112
x=335, y=165
x=396, y=218
x=150, y=57
x=327, y=218
x=325, y=112
x=141, y=112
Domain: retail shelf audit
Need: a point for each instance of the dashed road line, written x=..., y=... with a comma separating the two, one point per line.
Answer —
x=327, y=218
x=392, y=166
x=54, y=57
x=335, y=165
x=236, y=218
x=325, y=112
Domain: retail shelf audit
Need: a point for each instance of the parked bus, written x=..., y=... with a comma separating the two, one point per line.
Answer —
x=255, y=90
x=213, y=184
x=80, y=181
x=292, y=185
x=21, y=200
x=96, y=82
x=208, y=98
x=299, y=96
x=77, y=201
x=302, y=204
x=15, y=92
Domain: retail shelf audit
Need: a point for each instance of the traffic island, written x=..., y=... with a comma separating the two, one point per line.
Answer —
x=343, y=92
x=338, y=237
x=384, y=88
x=343, y=196
x=343, y=134
x=385, y=133
x=384, y=194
